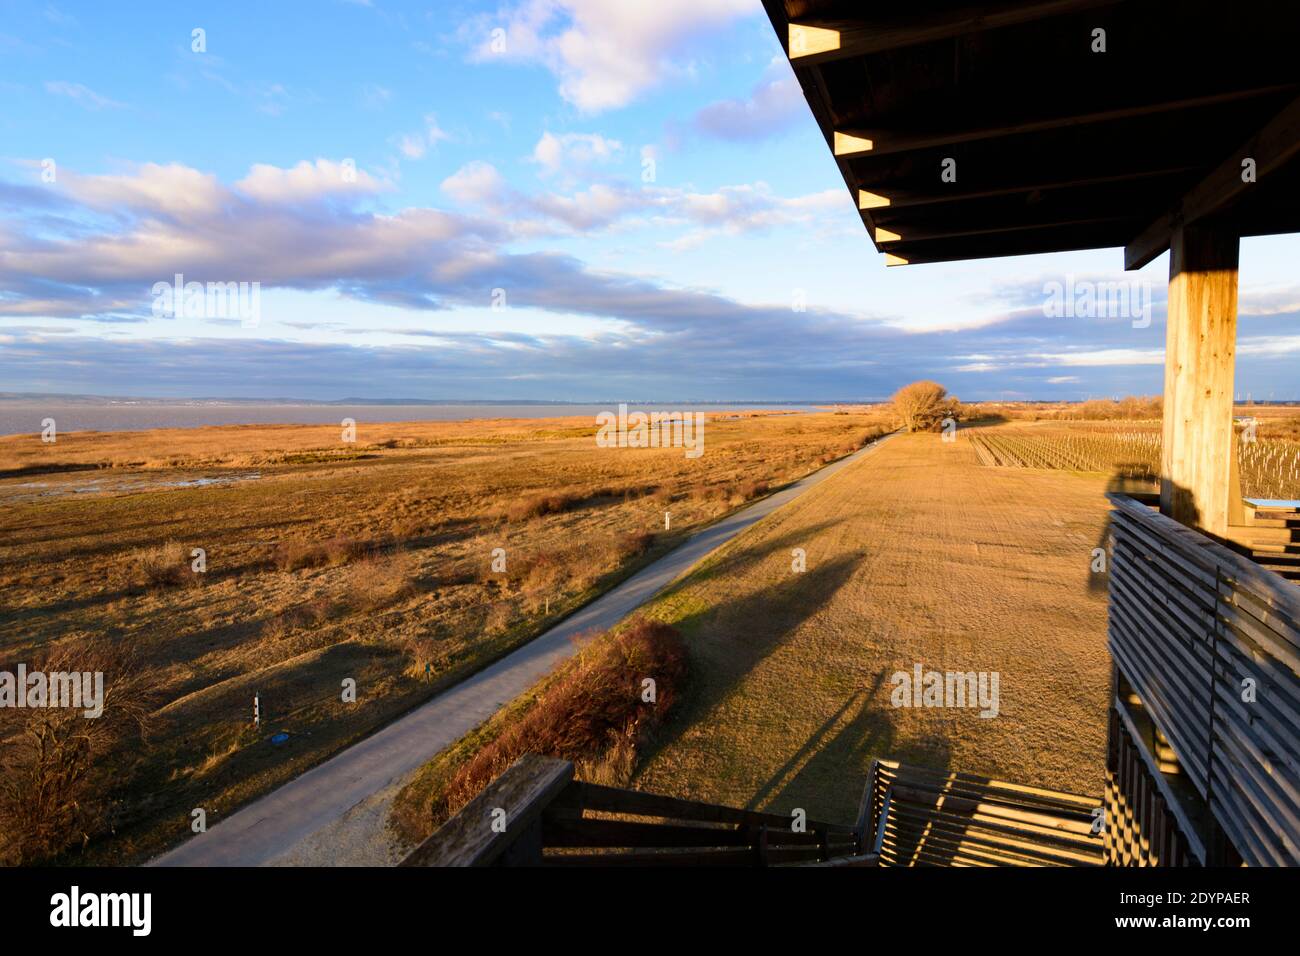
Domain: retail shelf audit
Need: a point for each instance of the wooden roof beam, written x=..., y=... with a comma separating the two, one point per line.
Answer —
x=1022, y=242
x=880, y=141
x=885, y=236
x=821, y=41
x=891, y=197
x=1275, y=145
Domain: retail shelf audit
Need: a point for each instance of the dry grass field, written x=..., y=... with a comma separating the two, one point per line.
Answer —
x=915, y=555
x=325, y=561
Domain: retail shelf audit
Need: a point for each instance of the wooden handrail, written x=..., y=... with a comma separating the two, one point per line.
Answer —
x=880, y=826
x=537, y=814
x=492, y=824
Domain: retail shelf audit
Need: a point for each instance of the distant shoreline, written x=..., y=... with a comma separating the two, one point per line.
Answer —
x=26, y=417
x=73, y=398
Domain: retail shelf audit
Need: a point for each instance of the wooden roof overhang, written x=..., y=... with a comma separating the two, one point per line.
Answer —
x=1056, y=147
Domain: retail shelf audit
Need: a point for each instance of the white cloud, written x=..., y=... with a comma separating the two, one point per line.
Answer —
x=735, y=210
x=306, y=181
x=770, y=107
x=375, y=96
x=1269, y=345
x=605, y=54
x=730, y=210
x=181, y=190
x=571, y=150
x=433, y=131
x=414, y=145
x=82, y=94
x=475, y=184
x=1274, y=301
x=276, y=226
x=1107, y=357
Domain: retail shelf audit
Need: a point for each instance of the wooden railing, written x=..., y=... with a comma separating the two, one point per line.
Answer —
x=1153, y=818
x=1269, y=534
x=923, y=817
x=1206, y=644
x=536, y=814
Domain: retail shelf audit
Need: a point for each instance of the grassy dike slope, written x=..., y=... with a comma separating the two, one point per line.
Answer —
x=917, y=554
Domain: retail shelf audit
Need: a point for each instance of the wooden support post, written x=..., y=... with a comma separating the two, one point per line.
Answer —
x=1200, y=352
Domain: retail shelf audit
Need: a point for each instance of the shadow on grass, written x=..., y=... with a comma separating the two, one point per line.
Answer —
x=719, y=663
x=834, y=765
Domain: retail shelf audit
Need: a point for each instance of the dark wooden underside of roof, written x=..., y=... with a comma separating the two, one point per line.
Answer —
x=1057, y=147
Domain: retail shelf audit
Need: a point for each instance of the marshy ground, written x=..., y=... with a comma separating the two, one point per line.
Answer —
x=327, y=560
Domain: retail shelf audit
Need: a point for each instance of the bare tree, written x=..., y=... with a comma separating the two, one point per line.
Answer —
x=922, y=406
x=53, y=778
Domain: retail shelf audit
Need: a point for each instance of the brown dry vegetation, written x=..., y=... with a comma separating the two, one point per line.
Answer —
x=55, y=767
x=369, y=561
x=916, y=554
x=922, y=406
x=592, y=711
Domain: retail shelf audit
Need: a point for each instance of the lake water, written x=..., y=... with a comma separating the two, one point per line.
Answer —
x=26, y=416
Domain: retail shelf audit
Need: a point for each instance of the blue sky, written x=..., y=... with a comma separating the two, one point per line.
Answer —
x=550, y=199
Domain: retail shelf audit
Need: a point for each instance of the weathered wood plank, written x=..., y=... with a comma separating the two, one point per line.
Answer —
x=591, y=796
x=470, y=839
x=591, y=832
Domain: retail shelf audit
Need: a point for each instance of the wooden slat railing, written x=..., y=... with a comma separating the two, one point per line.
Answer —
x=1270, y=536
x=1209, y=643
x=923, y=817
x=1152, y=816
x=536, y=814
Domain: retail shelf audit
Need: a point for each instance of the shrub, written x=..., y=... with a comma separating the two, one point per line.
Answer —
x=634, y=543
x=535, y=506
x=377, y=582
x=304, y=615
x=296, y=554
x=53, y=788
x=592, y=714
x=499, y=616
x=546, y=571
x=165, y=565
x=544, y=574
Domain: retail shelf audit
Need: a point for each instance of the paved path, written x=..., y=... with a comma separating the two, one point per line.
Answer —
x=272, y=825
